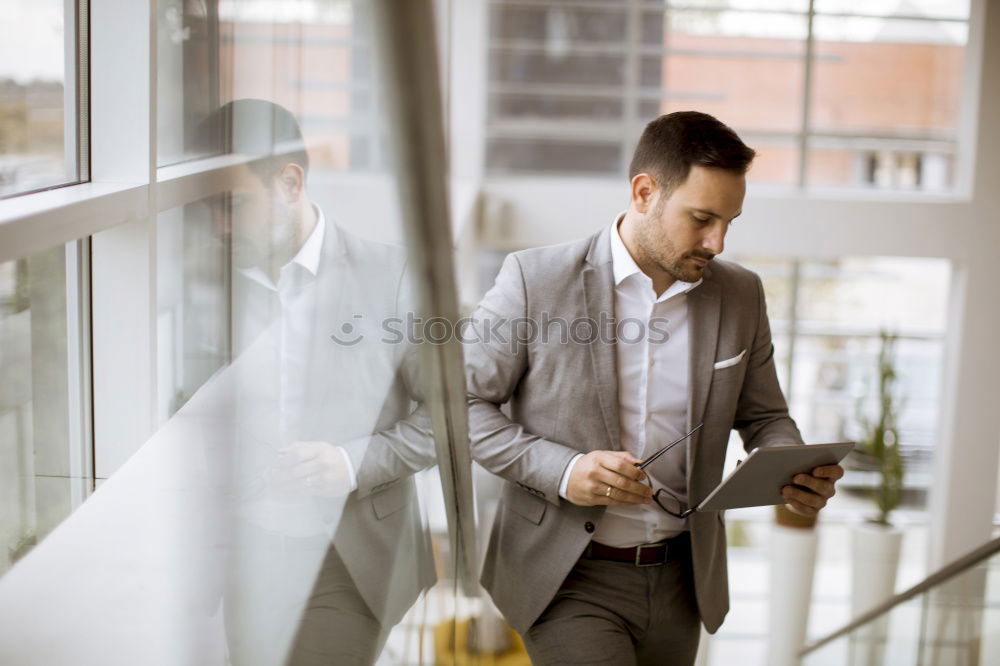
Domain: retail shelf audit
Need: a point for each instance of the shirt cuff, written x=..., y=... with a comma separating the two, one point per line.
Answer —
x=564, y=483
x=350, y=468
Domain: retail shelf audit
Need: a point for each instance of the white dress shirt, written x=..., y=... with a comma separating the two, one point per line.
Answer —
x=652, y=351
x=296, y=314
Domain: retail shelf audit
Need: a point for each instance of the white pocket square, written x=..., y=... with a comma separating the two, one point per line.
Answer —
x=731, y=361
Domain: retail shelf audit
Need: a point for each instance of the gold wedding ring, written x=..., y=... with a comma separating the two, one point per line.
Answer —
x=608, y=494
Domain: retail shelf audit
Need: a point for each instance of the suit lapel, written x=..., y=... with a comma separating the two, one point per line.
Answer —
x=704, y=310
x=598, y=292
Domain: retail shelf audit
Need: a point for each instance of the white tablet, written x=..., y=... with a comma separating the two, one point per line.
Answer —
x=758, y=480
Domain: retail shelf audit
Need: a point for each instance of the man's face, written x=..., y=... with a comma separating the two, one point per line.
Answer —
x=257, y=216
x=686, y=229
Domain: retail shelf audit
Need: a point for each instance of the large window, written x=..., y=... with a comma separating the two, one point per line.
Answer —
x=45, y=471
x=826, y=319
x=829, y=93
x=43, y=129
x=314, y=58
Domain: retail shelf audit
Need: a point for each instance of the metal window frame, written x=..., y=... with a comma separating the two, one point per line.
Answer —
x=409, y=63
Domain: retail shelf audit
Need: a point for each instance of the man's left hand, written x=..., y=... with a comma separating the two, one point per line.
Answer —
x=811, y=491
x=313, y=468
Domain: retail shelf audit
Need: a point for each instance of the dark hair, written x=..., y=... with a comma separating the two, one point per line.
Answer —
x=256, y=127
x=672, y=143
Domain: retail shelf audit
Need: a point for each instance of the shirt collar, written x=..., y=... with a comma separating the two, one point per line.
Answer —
x=623, y=265
x=309, y=254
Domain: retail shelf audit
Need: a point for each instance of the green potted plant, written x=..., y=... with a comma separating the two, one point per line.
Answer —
x=876, y=542
x=879, y=448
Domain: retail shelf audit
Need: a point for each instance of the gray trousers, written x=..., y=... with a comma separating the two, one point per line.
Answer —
x=276, y=614
x=614, y=613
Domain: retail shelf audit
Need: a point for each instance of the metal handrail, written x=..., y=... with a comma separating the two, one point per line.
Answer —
x=950, y=570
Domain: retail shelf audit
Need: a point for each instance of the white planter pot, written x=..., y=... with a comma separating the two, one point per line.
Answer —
x=793, y=562
x=874, y=561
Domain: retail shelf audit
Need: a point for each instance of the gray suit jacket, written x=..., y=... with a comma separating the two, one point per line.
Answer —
x=358, y=394
x=562, y=398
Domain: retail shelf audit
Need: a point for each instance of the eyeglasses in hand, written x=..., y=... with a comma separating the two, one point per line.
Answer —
x=665, y=499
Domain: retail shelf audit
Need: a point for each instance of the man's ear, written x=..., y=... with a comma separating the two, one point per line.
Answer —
x=644, y=190
x=292, y=181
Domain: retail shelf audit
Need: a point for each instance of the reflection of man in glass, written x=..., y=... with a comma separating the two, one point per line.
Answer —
x=329, y=551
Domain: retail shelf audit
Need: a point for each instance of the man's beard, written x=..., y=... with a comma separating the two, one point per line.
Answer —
x=278, y=240
x=664, y=253
x=679, y=270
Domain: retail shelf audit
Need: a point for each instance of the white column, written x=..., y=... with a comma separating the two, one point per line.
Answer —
x=963, y=496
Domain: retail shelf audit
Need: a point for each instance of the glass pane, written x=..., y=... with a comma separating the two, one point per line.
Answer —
x=43, y=476
x=842, y=307
x=554, y=106
x=289, y=340
x=289, y=345
x=331, y=555
x=954, y=622
x=309, y=56
x=886, y=95
x=745, y=68
x=588, y=70
x=909, y=295
x=517, y=155
x=779, y=287
x=777, y=161
x=955, y=9
x=759, y=5
x=779, y=292
x=880, y=164
x=551, y=64
x=38, y=109
x=558, y=28
x=192, y=316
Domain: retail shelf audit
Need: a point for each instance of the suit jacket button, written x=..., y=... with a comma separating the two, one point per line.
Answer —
x=589, y=526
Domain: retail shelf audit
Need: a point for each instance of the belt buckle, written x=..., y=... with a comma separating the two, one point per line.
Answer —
x=638, y=554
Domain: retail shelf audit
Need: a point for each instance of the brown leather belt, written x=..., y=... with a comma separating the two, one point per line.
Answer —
x=644, y=555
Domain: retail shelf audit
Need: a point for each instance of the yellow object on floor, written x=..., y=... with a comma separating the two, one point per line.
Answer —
x=448, y=654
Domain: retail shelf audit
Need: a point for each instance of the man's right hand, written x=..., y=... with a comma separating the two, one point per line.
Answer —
x=597, y=471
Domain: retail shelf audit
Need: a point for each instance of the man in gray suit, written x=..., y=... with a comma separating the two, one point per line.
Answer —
x=328, y=549
x=602, y=351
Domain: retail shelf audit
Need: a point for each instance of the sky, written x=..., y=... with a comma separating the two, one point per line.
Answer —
x=31, y=40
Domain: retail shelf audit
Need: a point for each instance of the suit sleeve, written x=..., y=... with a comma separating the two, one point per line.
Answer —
x=496, y=358
x=761, y=412
x=406, y=446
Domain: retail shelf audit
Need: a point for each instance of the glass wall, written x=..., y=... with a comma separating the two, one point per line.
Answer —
x=288, y=506
x=285, y=307
x=955, y=621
